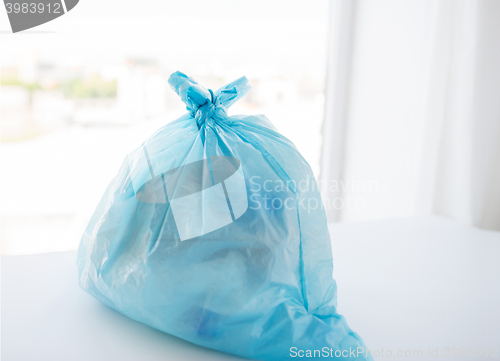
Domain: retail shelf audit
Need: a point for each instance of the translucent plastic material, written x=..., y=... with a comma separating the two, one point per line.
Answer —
x=213, y=231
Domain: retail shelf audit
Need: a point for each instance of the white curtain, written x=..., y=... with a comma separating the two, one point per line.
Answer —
x=412, y=116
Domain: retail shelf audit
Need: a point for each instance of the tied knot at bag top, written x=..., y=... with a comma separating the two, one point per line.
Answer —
x=203, y=104
x=213, y=231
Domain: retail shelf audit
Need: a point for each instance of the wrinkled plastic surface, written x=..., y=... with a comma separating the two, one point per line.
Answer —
x=213, y=231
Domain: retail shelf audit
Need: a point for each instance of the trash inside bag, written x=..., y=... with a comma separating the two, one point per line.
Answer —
x=213, y=231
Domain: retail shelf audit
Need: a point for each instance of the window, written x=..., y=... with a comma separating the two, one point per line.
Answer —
x=81, y=92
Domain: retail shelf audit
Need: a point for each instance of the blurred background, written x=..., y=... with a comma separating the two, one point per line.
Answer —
x=395, y=105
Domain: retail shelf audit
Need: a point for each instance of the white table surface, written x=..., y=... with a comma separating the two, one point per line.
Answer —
x=407, y=284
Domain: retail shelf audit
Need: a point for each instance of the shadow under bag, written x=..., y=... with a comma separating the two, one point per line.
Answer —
x=214, y=231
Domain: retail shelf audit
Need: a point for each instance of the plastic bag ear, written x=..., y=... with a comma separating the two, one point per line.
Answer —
x=190, y=91
x=233, y=91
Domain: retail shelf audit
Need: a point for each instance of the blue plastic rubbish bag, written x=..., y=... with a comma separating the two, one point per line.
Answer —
x=213, y=231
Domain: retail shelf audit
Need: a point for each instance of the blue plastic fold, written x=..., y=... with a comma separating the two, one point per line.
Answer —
x=213, y=231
